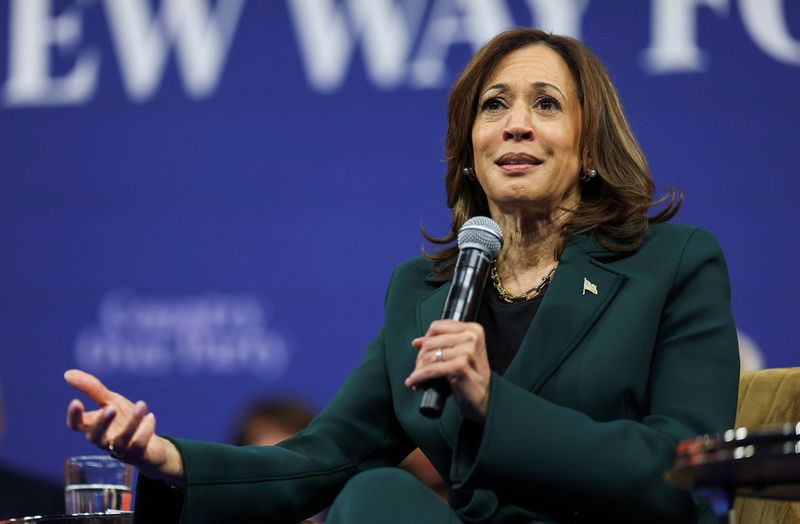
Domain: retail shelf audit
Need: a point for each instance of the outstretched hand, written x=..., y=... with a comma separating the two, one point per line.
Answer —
x=122, y=428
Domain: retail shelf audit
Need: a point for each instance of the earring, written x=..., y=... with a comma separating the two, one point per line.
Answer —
x=468, y=172
x=588, y=175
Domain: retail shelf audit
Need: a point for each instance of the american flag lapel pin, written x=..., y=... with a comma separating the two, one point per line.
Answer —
x=588, y=286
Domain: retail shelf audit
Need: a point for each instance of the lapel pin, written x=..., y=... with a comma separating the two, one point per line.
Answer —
x=588, y=286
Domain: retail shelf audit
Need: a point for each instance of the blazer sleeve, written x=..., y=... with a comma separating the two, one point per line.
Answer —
x=531, y=447
x=296, y=478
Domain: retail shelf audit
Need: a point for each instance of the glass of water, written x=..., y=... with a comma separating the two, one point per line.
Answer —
x=97, y=484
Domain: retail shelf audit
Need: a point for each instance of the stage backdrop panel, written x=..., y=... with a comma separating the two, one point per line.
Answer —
x=202, y=201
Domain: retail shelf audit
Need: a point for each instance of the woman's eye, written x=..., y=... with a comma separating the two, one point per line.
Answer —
x=548, y=104
x=493, y=104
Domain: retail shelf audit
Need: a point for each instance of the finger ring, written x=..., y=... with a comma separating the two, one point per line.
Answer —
x=438, y=355
x=113, y=452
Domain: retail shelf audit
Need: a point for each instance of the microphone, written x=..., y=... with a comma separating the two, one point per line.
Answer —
x=479, y=241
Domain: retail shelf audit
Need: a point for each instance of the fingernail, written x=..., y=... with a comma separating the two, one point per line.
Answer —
x=110, y=412
x=139, y=408
x=407, y=381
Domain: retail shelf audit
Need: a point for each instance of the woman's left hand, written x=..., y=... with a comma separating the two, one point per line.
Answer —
x=463, y=363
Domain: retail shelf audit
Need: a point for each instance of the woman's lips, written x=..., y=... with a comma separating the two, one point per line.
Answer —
x=514, y=168
x=515, y=162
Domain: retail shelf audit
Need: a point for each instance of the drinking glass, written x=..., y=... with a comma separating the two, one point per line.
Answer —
x=97, y=484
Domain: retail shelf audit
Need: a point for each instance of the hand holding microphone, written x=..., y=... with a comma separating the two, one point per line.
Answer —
x=452, y=354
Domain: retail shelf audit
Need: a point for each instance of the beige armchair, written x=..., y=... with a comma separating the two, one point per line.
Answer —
x=768, y=397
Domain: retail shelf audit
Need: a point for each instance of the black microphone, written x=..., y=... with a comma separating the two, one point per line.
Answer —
x=479, y=241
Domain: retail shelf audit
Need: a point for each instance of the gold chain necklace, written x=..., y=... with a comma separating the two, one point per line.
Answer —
x=509, y=297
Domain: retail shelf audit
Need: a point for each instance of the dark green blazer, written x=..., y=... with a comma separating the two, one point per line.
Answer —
x=581, y=427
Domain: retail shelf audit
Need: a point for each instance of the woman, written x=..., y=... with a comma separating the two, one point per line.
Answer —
x=603, y=339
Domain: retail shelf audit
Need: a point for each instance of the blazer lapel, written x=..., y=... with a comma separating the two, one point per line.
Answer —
x=581, y=289
x=429, y=308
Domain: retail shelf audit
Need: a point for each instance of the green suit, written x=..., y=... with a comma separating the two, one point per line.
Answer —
x=581, y=427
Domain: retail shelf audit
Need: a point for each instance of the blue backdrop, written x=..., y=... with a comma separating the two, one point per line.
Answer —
x=187, y=187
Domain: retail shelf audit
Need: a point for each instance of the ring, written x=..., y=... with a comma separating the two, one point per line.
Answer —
x=438, y=355
x=113, y=452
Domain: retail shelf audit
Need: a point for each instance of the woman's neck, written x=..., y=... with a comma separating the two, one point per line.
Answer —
x=529, y=248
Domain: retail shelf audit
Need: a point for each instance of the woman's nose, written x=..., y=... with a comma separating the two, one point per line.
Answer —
x=518, y=127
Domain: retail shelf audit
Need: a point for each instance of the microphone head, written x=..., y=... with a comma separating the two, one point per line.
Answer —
x=481, y=233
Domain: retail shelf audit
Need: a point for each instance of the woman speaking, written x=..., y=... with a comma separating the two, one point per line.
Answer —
x=603, y=337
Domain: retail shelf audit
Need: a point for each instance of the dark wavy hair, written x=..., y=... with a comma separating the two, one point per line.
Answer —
x=613, y=206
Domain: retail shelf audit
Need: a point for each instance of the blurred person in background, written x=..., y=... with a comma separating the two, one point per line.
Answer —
x=267, y=421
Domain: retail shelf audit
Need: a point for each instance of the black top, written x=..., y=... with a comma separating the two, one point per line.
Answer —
x=505, y=325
